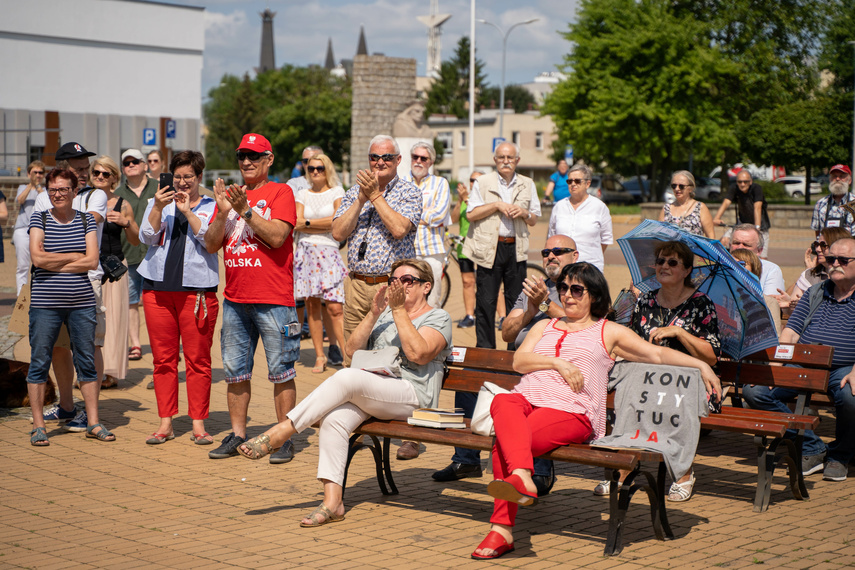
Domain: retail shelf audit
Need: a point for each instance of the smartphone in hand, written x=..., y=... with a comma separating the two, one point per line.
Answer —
x=166, y=181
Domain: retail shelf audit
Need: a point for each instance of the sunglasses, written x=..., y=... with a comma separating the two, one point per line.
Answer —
x=577, y=291
x=671, y=262
x=250, y=154
x=674, y=186
x=556, y=251
x=305, y=161
x=153, y=160
x=101, y=174
x=60, y=191
x=818, y=244
x=384, y=157
x=743, y=182
x=471, y=180
x=311, y=169
x=843, y=261
x=418, y=157
x=576, y=181
x=406, y=280
x=131, y=162
x=37, y=172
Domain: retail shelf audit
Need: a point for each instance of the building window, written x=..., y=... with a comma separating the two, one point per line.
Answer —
x=538, y=140
x=447, y=140
x=462, y=139
x=515, y=137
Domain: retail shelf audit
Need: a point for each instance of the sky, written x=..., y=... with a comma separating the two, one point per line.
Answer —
x=302, y=29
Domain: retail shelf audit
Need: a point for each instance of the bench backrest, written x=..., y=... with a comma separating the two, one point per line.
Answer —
x=479, y=365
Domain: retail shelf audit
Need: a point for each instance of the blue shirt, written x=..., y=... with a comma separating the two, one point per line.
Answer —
x=833, y=324
x=381, y=248
x=561, y=189
x=201, y=269
x=52, y=289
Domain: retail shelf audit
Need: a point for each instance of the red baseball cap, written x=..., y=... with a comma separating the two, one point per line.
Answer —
x=255, y=143
x=841, y=168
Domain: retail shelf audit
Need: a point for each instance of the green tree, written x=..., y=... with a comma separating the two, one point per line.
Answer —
x=640, y=81
x=449, y=93
x=518, y=97
x=837, y=53
x=293, y=107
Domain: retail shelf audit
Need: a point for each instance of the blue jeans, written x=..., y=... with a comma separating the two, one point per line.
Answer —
x=277, y=326
x=842, y=449
x=135, y=283
x=466, y=400
x=45, y=324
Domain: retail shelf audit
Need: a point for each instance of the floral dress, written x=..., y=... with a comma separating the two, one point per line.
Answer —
x=696, y=315
x=691, y=222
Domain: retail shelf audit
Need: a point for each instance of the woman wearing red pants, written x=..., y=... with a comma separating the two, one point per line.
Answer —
x=180, y=281
x=561, y=398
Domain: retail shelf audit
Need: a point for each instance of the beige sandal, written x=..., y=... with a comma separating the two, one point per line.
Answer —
x=681, y=492
x=327, y=516
x=255, y=449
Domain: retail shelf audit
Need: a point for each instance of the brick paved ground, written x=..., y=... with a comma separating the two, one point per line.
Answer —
x=86, y=504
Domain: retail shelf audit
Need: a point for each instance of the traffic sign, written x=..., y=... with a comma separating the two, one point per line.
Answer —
x=496, y=142
x=149, y=137
x=568, y=154
x=170, y=129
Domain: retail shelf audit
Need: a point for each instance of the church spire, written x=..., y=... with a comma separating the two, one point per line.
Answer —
x=268, y=58
x=329, y=64
x=361, y=48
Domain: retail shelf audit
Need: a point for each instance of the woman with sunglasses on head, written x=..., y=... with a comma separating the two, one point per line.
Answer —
x=400, y=317
x=105, y=175
x=64, y=248
x=319, y=270
x=180, y=280
x=561, y=397
x=687, y=213
x=26, y=199
x=816, y=267
x=680, y=317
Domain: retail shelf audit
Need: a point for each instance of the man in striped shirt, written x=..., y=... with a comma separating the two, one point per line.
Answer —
x=436, y=214
x=829, y=320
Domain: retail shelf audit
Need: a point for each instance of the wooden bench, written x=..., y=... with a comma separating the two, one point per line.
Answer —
x=647, y=470
x=765, y=368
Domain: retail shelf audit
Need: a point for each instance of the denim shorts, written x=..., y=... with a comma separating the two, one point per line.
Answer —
x=243, y=324
x=135, y=281
x=44, y=330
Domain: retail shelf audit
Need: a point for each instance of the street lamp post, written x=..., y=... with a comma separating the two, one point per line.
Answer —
x=504, y=57
x=852, y=43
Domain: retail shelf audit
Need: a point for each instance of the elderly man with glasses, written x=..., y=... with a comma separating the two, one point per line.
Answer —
x=751, y=208
x=436, y=214
x=378, y=217
x=825, y=314
x=253, y=225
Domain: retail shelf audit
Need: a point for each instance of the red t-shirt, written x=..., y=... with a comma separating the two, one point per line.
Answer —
x=255, y=272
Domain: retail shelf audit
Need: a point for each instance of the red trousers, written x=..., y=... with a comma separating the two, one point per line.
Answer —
x=172, y=319
x=522, y=433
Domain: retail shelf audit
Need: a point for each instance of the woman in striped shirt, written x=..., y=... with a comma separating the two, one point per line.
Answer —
x=561, y=398
x=63, y=247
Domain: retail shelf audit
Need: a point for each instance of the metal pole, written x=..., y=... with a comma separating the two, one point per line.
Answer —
x=852, y=43
x=471, y=86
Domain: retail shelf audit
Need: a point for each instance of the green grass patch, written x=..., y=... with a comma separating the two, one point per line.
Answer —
x=625, y=210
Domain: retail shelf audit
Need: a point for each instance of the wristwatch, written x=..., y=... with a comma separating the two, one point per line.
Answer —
x=247, y=215
x=544, y=306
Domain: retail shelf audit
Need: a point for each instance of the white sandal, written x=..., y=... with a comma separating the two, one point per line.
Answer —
x=603, y=488
x=681, y=492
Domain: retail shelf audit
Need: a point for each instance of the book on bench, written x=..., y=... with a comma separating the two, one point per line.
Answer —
x=439, y=414
x=437, y=424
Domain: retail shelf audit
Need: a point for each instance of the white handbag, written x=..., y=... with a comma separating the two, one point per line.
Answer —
x=482, y=421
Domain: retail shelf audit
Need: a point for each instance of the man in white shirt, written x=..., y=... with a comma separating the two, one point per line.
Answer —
x=746, y=236
x=502, y=206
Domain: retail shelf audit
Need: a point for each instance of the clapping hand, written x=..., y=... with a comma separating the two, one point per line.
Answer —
x=221, y=195
x=369, y=184
x=396, y=294
x=236, y=195
x=535, y=289
x=379, y=304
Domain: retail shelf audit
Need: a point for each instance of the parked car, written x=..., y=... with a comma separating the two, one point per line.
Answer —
x=641, y=192
x=609, y=190
x=795, y=186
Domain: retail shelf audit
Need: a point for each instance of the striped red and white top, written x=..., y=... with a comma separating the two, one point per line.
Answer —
x=587, y=351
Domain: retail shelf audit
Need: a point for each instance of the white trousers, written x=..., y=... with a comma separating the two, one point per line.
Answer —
x=22, y=253
x=341, y=403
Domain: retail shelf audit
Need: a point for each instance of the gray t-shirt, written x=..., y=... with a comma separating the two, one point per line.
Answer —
x=522, y=303
x=426, y=378
x=658, y=408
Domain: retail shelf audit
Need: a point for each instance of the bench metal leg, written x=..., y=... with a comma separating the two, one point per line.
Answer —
x=768, y=455
x=620, y=497
x=381, y=462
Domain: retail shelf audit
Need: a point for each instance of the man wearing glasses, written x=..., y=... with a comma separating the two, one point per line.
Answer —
x=73, y=156
x=137, y=189
x=750, y=209
x=829, y=211
x=502, y=206
x=825, y=314
x=253, y=224
x=436, y=214
x=378, y=217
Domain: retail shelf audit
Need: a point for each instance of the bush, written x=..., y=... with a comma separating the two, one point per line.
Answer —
x=773, y=191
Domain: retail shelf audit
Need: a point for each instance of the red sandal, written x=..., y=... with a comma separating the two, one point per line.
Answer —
x=495, y=542
x=135, y=353
x=512, y=490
